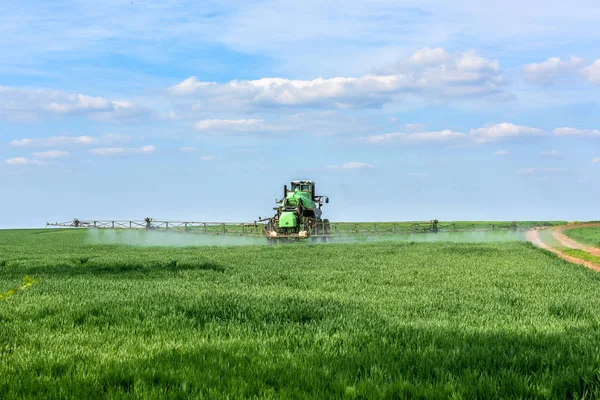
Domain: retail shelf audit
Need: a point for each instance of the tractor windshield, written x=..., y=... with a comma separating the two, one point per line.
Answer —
x=303, y=187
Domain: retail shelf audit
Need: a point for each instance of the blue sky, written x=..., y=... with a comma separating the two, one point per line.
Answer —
x=399, y=110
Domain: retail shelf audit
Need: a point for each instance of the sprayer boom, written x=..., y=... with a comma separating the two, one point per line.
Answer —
x=298, y=215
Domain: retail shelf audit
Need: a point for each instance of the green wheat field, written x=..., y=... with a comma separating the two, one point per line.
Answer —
x=456, y=315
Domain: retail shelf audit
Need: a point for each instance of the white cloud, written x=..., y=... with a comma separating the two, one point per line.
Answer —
x=551, y=153
x=501, y=131
x=228, y=125
x=553, y=70
x=189, y=86
x=38, y=159
x=439, y=136
x=592, y=73
x=428, y=56
x=51, y=154
x=22, y=161
x=430, y=73
x=501, y=152
x=114, y=151
x=596, y=160
x=21, y=142
x=488, y=133
x=17, y=104
x=351, y=165
x=317, y=123
x=80, y=102
x=146, y=149
x=576, y=132
x=57, y=141
x=17, y=161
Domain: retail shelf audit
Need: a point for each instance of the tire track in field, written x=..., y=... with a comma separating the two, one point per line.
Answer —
x=533, y=236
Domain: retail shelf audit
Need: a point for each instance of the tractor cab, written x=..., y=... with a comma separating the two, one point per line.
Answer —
x=303, y=191
x=304, y=186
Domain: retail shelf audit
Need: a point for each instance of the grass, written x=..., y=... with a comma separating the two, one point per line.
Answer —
x=583, y=255
x=588, y=235
x=360, y=320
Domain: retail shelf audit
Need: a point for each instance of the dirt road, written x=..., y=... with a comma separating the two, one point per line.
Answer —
x=566, y=241
x=533, y=236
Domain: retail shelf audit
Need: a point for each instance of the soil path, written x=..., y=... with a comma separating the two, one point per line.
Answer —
x=568, y=242
x=534, y=237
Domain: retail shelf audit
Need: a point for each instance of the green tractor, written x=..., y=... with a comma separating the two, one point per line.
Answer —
x=298, y=214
